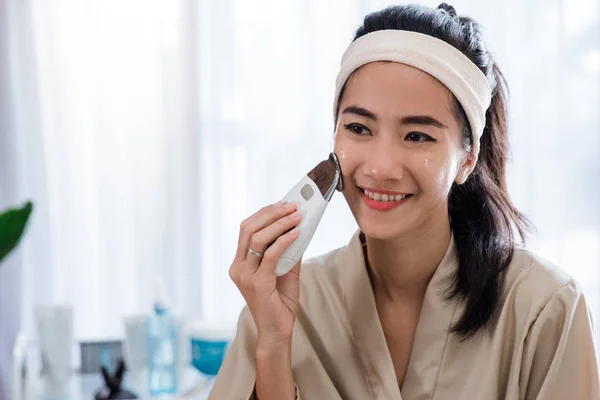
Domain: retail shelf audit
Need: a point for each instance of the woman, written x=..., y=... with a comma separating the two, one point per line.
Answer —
x=432, y=298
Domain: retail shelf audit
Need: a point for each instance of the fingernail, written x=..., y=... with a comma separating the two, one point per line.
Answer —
x=289, y=205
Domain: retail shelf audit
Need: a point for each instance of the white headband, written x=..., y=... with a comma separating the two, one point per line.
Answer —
x=432, y=55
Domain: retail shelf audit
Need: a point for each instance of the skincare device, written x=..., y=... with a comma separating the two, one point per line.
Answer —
x=311, y=195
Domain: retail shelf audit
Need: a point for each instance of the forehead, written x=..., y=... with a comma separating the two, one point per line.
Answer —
x=396, y=88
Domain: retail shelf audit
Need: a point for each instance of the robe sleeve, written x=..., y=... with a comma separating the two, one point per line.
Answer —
x=559, y=357
x=237, y=376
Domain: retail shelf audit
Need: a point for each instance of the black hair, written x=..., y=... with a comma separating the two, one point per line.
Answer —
x=484, y=221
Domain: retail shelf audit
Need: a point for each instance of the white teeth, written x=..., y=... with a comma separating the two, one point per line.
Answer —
x=384, y=197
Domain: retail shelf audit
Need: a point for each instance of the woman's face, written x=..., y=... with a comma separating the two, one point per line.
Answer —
x=397, y=138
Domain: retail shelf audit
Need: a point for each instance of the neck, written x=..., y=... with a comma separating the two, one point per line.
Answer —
x=401, y=268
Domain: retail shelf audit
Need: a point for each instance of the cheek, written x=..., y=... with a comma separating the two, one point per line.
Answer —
x=438, y=175
x=346, y=155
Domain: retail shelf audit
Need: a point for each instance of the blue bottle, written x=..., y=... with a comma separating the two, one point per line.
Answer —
x=162, y=345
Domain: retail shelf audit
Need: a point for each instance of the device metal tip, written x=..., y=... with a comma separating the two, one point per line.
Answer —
x=327, y=176
x=340, y=182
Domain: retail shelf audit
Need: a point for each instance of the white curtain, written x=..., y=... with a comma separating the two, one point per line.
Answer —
x=145, y=131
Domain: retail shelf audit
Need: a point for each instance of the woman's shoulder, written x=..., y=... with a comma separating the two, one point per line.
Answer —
x=323, y=264
x=531, y=282
x=323, y=282
x=324, y=268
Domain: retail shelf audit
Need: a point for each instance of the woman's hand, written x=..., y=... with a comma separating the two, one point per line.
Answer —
x=272, y=300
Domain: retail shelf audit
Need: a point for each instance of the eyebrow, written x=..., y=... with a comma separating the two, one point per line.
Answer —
x=408, y=120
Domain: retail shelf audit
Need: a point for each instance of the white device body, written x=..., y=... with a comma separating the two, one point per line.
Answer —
x=311, y=204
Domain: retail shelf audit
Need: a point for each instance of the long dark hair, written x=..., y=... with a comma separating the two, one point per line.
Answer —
x=484, y=220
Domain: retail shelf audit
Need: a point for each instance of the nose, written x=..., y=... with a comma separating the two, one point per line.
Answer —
x=384, y=161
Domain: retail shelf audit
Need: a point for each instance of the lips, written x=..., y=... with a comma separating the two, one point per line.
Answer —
x=383, y=201
x=384, y=197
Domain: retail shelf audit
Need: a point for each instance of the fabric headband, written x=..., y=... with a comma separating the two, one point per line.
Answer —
x=427, y=53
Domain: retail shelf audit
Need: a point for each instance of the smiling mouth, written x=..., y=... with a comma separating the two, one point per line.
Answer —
x=385, y=198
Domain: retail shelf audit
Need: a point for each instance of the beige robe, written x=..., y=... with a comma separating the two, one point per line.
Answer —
x=539, y=345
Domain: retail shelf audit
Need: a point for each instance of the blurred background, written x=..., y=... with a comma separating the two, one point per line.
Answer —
x=145, y=131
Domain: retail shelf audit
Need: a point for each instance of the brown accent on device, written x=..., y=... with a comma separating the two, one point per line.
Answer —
x=323, y=175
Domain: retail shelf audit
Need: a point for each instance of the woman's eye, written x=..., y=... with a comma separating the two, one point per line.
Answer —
x=419, y=137
x=358, y=129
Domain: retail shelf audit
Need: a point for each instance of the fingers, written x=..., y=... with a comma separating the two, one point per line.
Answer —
x=245, y=264
x=275, y=251
x=261, y=240
x=252, y=262
x=258, y=221
x=265, y=239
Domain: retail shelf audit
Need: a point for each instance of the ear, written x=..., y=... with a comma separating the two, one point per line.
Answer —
x=466, y=168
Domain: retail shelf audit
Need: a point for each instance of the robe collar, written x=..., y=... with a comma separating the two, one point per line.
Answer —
x=431, y=336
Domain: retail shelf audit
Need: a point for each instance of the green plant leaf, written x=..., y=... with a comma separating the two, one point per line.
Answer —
x=12, y=226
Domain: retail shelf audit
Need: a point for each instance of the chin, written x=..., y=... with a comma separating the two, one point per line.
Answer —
x=380, y=230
